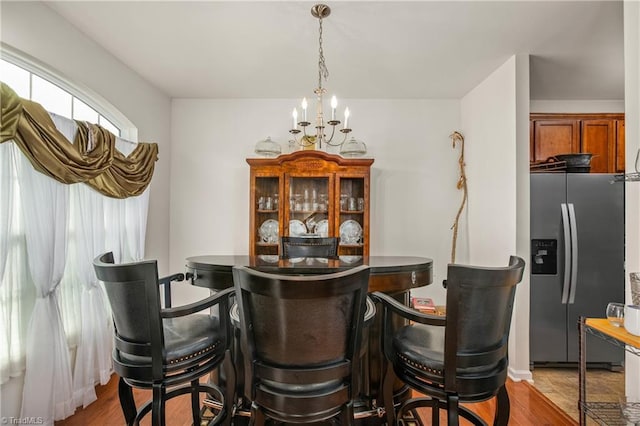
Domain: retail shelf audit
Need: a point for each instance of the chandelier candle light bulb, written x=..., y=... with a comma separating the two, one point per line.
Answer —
x=346, y=117
x=334, y=104
x=295, y=118
x=304, y=109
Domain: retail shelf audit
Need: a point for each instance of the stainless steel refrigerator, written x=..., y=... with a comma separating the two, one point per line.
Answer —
x=577, y=262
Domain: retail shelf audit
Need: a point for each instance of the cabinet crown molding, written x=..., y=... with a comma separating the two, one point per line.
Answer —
x=309, y=154
x=576, y=116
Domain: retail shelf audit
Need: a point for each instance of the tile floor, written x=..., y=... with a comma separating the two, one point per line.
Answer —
x=560, y=385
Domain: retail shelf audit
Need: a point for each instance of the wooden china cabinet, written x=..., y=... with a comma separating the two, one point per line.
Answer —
x=309, y=193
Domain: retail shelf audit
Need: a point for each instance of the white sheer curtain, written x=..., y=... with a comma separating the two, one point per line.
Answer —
x=50, y=299
x=136, y=210
x=17, y=292
x=6, y=195
x=87, y=319
x=93, y=354
x=127, y=220
x=45, y=205
x=7, y=181
x=84, y=299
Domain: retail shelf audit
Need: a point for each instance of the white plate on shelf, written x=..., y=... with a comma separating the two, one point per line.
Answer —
x=297, y=228
x=350, y=232
x=268, y=231
x=322, y=228
x=269, y=258
x=350, y=259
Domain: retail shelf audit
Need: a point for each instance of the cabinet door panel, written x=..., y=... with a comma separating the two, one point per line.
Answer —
x=620, y=166
x=309, y=204
x=352, y=220
x=552, y=137
x=598, y=138
x=265, y=196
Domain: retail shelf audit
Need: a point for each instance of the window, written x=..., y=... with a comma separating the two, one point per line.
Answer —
x=19, y=79
x=34, y=81
x=51, y=96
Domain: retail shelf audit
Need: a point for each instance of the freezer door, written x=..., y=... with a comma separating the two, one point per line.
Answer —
x=548, y=315
x=599, y=223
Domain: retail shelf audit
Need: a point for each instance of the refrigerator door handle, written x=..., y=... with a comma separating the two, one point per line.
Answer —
x=567, y=253
x=574, y=254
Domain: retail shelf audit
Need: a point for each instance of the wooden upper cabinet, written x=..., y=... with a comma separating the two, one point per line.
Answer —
x=620, y=166
x=599, y=139
x=599, y=134
x=309, y=193
x=552, y=137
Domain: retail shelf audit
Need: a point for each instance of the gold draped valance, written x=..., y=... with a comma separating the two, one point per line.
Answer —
x=92, y=157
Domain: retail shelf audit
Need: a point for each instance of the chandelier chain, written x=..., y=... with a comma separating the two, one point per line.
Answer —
x=322, y=67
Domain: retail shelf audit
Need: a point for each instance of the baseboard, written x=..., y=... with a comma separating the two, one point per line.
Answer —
x=520, y=375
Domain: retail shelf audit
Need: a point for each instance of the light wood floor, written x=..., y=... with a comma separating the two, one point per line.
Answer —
x=528, y=407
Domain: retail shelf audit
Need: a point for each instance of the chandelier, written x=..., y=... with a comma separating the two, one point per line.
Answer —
x=310, y=140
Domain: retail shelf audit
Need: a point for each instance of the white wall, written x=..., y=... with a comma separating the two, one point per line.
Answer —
x=489, y=124
x=632, y=140
x=413, y=200
x=579, y=106
x=519, y=341
x=38, y=31
x=495, y=117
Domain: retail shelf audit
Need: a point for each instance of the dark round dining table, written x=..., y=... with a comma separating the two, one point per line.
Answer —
x=389, y=274
x=394, y=275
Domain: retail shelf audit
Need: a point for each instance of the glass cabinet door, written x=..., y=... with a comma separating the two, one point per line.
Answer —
x=267, y=207
x=309, y=205
x=352, y=219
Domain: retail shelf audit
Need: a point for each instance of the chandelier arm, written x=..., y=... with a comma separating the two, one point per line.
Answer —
x=333, y=131
x=344, y=139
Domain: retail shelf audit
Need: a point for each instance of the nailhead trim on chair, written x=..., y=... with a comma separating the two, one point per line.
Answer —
x=193, y=355
x=417, y=365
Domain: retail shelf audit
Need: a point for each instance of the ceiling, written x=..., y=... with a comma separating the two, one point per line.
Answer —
x=381, y=49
